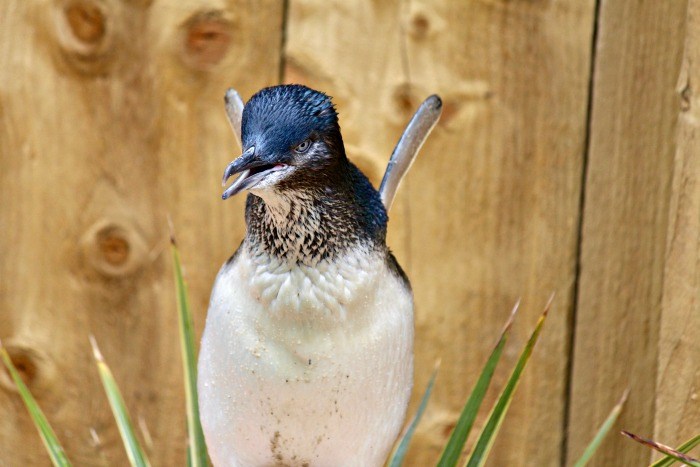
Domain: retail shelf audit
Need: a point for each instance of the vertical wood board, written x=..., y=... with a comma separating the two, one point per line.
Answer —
x=678, y=375
x=625, y=215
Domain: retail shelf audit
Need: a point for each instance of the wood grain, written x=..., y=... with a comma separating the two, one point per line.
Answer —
x=111, y=121
x=111, y=118
x=678, y=376
x=489, y=211
x=625, y=216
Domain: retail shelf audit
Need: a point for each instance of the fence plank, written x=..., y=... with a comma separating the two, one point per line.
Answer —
x=111, y=117
x=624, y=222
x=490, y=210
x=678, y=381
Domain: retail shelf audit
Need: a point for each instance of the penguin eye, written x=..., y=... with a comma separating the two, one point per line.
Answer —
x=303, y=146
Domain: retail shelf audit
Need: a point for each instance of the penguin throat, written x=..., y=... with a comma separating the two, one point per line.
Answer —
x=300, y=227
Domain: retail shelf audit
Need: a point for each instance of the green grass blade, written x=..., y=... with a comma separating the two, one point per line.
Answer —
x=455, y=445
x=48, y=436
x=602, y=432
x=684, y=448
x=488, y=433
x=134, y=452
x=662, y=448
x=399, y=453
x=197, y=450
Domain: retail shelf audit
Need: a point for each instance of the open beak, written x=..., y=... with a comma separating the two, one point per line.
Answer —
x=251, y=169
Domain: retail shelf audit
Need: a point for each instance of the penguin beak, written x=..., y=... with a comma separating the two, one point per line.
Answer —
x=252, y=170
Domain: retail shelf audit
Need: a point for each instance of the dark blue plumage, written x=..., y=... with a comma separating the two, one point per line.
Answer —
x=278, y=118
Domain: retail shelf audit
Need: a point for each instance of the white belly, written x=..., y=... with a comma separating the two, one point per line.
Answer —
x=305, y=366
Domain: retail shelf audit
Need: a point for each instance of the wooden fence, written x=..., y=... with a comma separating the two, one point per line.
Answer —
x=567, y=160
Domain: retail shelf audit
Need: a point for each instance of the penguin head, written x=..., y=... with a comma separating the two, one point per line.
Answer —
x=291, y=140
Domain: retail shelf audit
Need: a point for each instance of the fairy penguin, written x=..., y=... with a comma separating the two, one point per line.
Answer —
x=307, y=353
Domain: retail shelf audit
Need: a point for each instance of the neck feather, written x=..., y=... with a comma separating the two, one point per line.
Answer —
x=317, y=222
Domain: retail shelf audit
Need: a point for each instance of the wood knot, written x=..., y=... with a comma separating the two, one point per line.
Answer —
x=113, y=246
x=449, y=110
x=419, y=25
x=113, y=249
x=422, y=23
x=686, y=95
x=447, y=429
x=87, y=22
x=84, y=36
x=33, y=367
x=404, y=100
x=207, y=37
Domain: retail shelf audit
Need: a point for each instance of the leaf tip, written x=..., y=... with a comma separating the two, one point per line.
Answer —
x=171, y=230
x=669, y=451
x=548, y=306
x=95, y=349
x=625, y=395
x=96, y=441
x=511, y=318
x=145, y=432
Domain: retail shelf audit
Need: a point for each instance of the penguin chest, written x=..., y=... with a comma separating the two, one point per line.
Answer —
x=305, y=365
